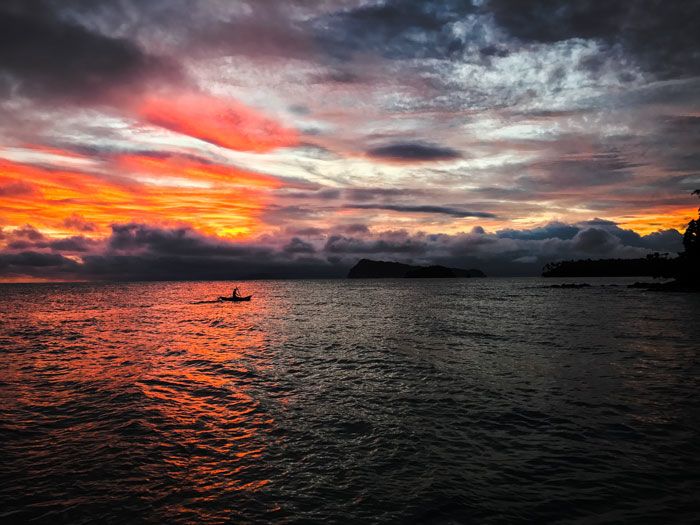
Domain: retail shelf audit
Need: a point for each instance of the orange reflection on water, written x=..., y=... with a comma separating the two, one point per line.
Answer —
x=138, y=369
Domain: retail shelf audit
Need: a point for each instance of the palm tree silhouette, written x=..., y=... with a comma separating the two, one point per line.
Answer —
x=689, y=260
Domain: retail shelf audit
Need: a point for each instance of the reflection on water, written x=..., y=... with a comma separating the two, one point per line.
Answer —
x=430, y=401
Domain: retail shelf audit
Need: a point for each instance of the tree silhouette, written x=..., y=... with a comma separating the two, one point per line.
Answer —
x=689, y=267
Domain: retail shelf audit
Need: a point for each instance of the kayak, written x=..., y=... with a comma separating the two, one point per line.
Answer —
x=235, y=299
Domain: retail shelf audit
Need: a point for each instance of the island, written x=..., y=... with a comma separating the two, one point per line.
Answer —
x=369, y=269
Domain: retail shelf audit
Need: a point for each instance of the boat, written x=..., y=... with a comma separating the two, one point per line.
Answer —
x=235, y=299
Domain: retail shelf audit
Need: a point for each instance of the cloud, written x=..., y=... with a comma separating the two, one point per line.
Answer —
x=226, y=123
x=669, y=240
x=77, y=222
x=595, y=241
x=338, y=244
x=413, y=152
x=29, y=264
x=296, y=245
x=397, y=29
x=203, y=112
x=307, y=232
x=191, y=170
x=141, y=251
x=370, y=194
x=44, y=56
x=16, y=189
x=552, y=21
x=327, y=194
x=408, y=208
x=578, y=170
x=662, y=36
x=354, y=228
x=28, y=238
x=553, y=230
x=181, y=241
x=27, y=232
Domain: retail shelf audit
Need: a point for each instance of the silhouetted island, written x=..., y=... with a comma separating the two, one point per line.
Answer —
x=369, y=269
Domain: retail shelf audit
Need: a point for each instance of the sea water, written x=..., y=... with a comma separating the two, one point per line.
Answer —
x=377, y=401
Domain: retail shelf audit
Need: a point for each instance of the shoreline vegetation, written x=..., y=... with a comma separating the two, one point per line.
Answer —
x=684, y=270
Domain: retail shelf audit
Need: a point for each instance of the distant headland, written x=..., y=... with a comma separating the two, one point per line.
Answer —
x=683, y=269
x=369, y=269
x=654, y=265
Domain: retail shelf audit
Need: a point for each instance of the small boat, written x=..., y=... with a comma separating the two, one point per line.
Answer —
x=235, y=299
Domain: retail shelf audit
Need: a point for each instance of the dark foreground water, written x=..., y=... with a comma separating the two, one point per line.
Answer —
x=436, y=401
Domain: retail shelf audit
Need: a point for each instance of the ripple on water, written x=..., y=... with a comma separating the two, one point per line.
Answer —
x=472, y=401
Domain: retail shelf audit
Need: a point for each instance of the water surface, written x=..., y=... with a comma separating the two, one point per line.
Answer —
x=429, y=401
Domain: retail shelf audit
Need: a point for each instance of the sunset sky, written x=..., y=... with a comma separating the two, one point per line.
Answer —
x=230, y=139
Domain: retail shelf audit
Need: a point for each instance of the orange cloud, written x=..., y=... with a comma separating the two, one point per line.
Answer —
x=225, y=123
x=231, y=204
x=675, y=218
x=189, y=169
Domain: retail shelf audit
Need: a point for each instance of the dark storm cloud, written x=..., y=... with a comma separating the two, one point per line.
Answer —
x=27, y=238
x=142, y=252
x=338, y=244
x=32, y=259
x=394, y=28
x=599, y=232
x=76, y=244
x=42, y=55
x=305, y=231
x=200, y=28
x=34, y=264
x=595, y=241
x=413, y=152
x=296, y=245
x=661, y=35
x=553, y=230
x=27, y=232
x=554, y=20
x=138, y=251
x=354, y=229
x=440, y=210
x=662, y=241
x=670, y=241
x=175, y=241
x=152, y=267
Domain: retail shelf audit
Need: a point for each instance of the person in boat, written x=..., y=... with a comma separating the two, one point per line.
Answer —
x=235, y=294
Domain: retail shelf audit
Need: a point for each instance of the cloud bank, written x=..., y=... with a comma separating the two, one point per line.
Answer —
x=142, y=252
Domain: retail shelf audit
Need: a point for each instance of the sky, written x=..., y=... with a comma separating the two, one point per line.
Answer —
x=213, y=139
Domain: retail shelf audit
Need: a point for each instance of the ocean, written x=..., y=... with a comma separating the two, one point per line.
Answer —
x=349, y=401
